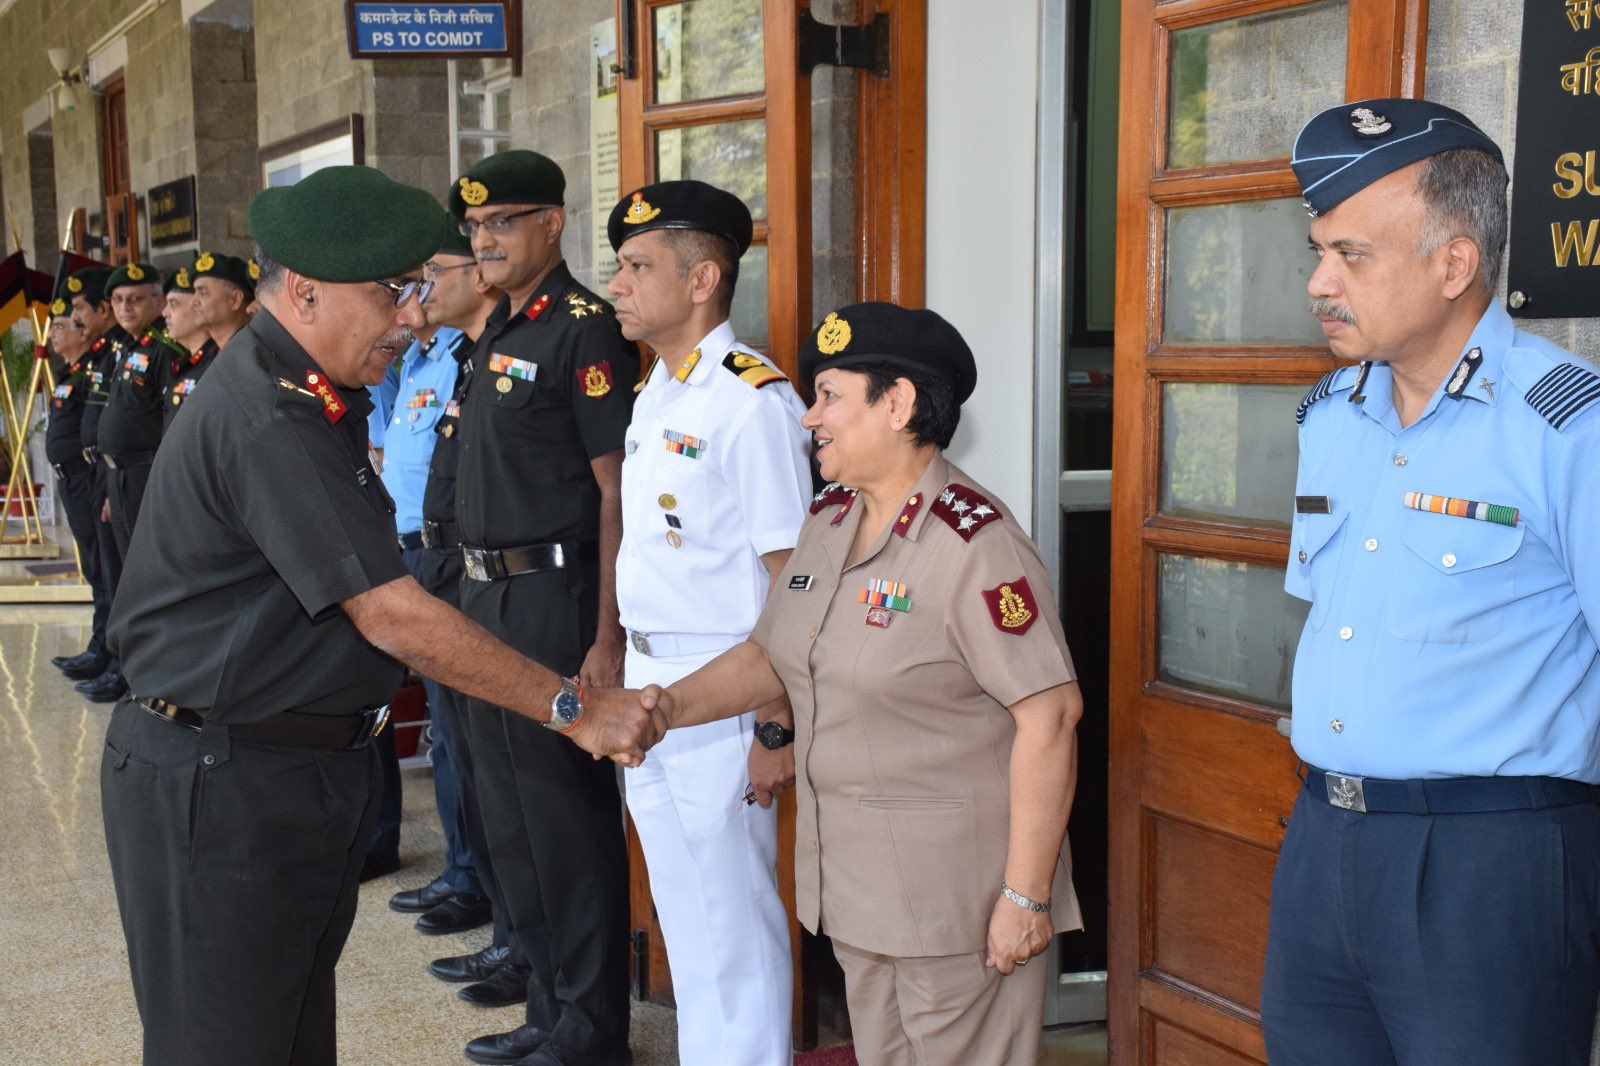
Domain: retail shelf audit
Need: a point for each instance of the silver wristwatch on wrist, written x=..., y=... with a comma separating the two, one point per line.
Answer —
x=1023, y=901
x=565, y=707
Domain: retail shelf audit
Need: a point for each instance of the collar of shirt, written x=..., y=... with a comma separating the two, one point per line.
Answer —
x=442, y=342
x=294, y=361
x=842, y=532
x=553, y=285
x=713, y=348
x=1493, y=334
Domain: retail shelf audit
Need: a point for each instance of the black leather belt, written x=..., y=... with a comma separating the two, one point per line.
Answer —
x=440, y=535
x=122, y=462
x=497, y=564
x=410, y=542
x=289, y=729
x=1446, y=795
x=75, y=465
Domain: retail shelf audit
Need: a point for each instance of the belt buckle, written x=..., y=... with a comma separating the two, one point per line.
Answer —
x=427, y=540
x=110, y=462
x=1345, y=792
x=641, y=643
x=472, y=561
x=373, y=721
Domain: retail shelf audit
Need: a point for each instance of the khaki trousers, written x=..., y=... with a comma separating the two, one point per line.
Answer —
x=942, y=1010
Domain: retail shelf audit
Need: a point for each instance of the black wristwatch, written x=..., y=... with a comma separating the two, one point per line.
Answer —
x=773, y=736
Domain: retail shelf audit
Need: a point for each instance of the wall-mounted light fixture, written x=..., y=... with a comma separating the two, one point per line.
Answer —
x=70, y=91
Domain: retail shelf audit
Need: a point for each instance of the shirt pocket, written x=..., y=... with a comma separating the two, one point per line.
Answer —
x=518, y=394
x=1316, y=544
x=427, y=418
x=1454, y=579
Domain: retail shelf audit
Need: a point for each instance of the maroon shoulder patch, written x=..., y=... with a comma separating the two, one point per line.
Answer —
x=830, y=496
x=1012, y=606
x=964, y=510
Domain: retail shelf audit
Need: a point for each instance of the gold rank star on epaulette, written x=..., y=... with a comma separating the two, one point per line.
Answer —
x=578, y=307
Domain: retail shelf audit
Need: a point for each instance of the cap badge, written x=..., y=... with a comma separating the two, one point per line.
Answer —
x=640, y=211
x=834, y=335
x=473, y=193
x=74, y=285
x=182, y=281
x=134, y=273
x=59, y=307
x=1369, y=123
x=204, y=263
x=1312, y=211
x=253, y=269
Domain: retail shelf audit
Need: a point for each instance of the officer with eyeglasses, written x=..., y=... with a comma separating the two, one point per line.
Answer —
x=262, y=622
x=539, y=505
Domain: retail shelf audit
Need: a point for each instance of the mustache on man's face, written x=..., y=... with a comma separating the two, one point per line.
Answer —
x=1322, y=307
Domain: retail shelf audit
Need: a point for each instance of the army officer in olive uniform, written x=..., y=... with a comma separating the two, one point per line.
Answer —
x=935, y=705
x=262, y=621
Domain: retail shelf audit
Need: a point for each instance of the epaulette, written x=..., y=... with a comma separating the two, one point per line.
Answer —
x=751, y=370
x=639, y=385
x=1563, y=393
x=580, y=306
x=964, y=510
x=831, y=495
x=1320, y=391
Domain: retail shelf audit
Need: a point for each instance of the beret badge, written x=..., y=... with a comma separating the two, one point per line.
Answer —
x=183, y=277
x=834, y=335
x=204, y=263
x=134, y=273
x=1368, y=123
x=58, y=308
x=253, y=269
x=74, y=285
x=640, y=211
x=473, y=193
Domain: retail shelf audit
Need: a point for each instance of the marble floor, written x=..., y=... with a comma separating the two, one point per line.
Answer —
x=66, y=998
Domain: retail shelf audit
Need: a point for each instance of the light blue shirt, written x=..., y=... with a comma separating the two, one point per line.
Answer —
x=1440, y=645
x=405, y=409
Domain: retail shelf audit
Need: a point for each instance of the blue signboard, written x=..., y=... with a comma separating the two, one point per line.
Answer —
x=380, y=29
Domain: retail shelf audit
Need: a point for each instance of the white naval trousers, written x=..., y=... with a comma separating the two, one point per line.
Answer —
x=711, y=861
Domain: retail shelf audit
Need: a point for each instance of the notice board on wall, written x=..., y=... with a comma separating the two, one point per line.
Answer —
x=1555, y=190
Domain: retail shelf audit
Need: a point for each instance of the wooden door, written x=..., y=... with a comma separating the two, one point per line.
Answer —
x=1213, y=350
x=116, y=175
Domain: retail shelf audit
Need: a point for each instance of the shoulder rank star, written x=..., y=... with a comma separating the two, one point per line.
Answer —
x=1012, y=607
x=333, y=408
x=964, y=510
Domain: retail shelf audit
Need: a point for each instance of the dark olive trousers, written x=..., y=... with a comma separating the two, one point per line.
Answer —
x=236, y=867
x=125, y=485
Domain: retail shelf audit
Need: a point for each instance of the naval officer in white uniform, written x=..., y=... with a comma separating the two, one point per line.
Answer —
x=715, y=483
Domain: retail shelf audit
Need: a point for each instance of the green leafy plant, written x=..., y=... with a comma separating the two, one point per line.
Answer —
x=16, y=347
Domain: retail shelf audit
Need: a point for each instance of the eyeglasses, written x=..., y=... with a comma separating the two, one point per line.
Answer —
x=500, y=225
x=404, y=291
x=431, y=271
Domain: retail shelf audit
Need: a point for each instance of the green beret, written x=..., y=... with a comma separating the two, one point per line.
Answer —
x=454, y=242
x=346, y=223
x=241, y=272
x=90, y=283
x=681, y=205
x=886, y=333
x=515, y=176
x=179, y=279
x=132, y=274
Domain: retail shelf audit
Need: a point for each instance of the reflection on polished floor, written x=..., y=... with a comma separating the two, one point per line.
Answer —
x=66, y=998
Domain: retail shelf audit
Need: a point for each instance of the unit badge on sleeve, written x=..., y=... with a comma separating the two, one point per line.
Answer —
x=1012, y=606
x=595, y=379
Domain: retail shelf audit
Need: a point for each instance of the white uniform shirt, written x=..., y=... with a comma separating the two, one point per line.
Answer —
x=716, y=474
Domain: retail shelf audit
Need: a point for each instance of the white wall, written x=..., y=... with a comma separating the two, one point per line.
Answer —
x=982, y=88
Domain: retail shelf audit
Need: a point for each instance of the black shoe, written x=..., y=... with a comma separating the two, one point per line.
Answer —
x=82, y=667
x=425, y=898
x=551, y=1053
x=110, y=692
x=104, y=677
x=507, y=985
x=479, y=966
x=507, y=1047
x=456, y=914
x=378, y=865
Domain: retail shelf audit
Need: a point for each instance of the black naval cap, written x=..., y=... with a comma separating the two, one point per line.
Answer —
x=243, y=273
x=179, y=279
x=1346, y=148
x=515, y=176
x=346, y=223
x=132, y=274
x=90, y=283
x=887, y=333
x=690, y=205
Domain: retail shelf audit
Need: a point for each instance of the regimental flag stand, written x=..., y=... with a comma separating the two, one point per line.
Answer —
x=23, y=293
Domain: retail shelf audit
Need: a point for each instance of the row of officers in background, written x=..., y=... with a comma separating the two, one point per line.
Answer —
x=433, y=446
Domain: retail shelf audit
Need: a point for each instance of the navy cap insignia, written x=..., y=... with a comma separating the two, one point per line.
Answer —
x=1368, y=123
x=640, y=211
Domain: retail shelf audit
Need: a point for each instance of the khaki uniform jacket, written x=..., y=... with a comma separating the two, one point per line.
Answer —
x=900, y=670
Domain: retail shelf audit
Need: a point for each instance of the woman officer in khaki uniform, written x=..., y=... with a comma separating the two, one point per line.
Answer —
x=935, y=707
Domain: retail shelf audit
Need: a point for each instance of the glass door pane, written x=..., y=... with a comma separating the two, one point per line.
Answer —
x=706, y=49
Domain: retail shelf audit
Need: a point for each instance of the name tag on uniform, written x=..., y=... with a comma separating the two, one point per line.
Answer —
x=1311, y=505
x=800, y=583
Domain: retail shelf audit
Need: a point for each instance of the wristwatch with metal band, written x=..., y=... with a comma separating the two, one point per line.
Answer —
x=1023, y=901
x=566, y=707
x=773, y=736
